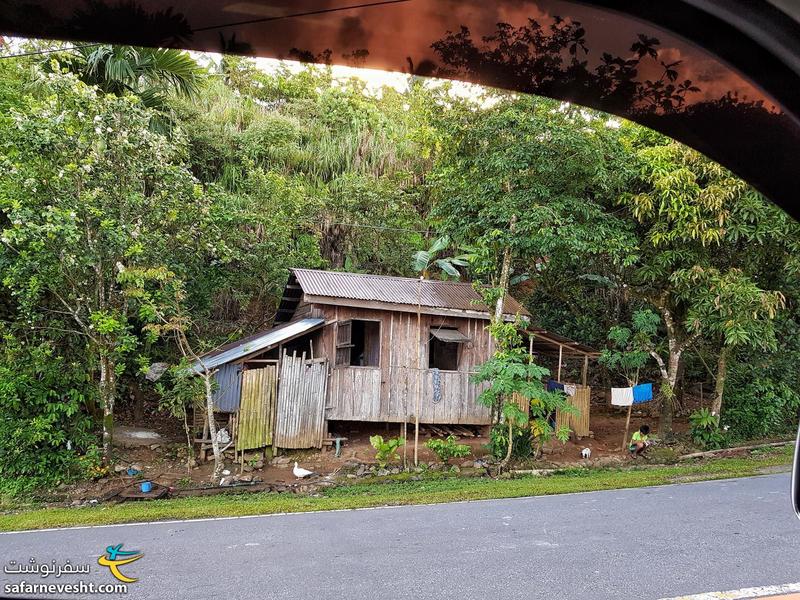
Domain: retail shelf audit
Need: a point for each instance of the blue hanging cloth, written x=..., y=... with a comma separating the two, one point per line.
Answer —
x=553, y=385
x=642, y=393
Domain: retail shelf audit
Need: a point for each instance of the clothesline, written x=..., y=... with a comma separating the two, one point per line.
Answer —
x=637, y=394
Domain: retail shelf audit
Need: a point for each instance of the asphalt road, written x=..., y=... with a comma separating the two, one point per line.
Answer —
x=646, y=543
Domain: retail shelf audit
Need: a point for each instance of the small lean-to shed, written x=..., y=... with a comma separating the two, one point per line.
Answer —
x=228, y=362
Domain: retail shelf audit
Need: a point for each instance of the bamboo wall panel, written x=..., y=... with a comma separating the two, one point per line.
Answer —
x=257, y=408
x=578, y=423
x=522, y=402
x=300, y=418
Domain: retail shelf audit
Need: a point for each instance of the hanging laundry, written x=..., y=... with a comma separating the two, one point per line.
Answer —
x=642, y=393
x=570, y=389
x=437, y=385
x=553, y=385
x=622, y=396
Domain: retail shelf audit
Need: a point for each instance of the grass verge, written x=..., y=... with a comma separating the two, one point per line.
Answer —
x=394, y=493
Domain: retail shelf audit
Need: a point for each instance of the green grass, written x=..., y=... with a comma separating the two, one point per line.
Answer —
x=393, y=493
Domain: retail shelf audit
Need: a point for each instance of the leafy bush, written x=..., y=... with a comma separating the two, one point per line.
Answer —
x=705, y=430
x=762, y=393
x=386, y=450
x=498, y=442
x=447, y=448
x=45, y=435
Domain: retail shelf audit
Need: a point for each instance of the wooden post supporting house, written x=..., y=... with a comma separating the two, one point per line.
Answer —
x=585, y=371
x=419, y=372
x=560, y=356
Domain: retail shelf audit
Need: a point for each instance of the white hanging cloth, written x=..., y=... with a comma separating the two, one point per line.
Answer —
x=622, y=396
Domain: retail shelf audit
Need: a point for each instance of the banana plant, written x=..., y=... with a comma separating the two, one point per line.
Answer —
x=424, y=261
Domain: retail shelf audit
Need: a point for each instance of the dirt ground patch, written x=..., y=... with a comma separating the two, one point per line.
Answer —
x=164, y=462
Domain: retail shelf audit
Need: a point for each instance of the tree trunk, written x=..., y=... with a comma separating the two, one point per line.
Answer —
x=505, y=271
x=138, y=401
x=108, y=382
x=332, y=244
x=719, y=388
x=510, y=442
x=212, y=426
x=669, y=380
x=679, y=380
x=670, y=370
x=418, y=398
x=667, y=409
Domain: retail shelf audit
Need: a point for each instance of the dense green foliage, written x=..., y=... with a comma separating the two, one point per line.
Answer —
x=447, y=448
x=386, y=450
x=136, y=186
x=705, y=429
x=45, y=438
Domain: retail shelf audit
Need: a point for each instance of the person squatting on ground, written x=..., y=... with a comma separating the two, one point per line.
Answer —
x=639, y=441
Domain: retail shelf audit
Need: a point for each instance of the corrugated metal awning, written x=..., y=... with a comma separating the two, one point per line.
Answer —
x=452, y=336
x=257, y=343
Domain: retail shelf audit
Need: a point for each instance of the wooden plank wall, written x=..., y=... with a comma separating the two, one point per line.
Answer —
x=300, y=419
x=257, y=408
x=388, y=392
x=358, y=391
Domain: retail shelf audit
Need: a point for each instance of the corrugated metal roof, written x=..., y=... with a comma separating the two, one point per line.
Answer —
x=398, y=290
x=257, y=343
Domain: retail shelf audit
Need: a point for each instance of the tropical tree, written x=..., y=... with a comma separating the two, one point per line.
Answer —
x=695, y=221
x=524, y=175
x=511, y=374
x=152, y=74
x=735, y=312
x=626, y=352
x=94, y=205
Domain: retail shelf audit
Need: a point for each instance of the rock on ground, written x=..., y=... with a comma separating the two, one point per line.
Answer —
x=135, y=436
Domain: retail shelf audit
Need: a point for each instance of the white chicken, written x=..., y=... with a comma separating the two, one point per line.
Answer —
x=300, y=472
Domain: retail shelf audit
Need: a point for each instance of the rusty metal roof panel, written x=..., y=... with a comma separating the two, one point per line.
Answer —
x=257, y=343
x=398, y=290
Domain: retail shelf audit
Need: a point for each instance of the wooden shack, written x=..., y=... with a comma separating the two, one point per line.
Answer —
x=357, y=347
x=378, y=345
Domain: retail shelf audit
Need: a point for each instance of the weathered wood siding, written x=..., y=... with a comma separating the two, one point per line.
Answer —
x=300, y=419
x=257, y=409
x=358, y=392
x=388, y=392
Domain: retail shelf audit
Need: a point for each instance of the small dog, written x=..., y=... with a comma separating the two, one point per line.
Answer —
x=586, y=453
